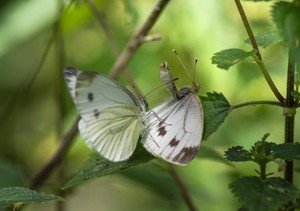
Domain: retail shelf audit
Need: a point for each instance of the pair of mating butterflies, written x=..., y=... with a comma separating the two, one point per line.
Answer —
x=113, y=119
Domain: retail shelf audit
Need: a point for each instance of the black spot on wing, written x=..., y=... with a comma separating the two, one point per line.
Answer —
x=96, y=113
x=162, y=131
x=90, y=97
x=174, y=142
x=186, y=155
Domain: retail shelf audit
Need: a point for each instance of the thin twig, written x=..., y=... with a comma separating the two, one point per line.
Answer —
x=113, y=45
x=101, y=20
x=182, y=188
x=258, y=59
x=137, y=39
x=56, y=159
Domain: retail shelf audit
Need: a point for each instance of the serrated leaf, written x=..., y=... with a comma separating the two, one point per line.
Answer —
x=216, y=108
x=17, y=195
x=286, y=15
x=287, y=151
x=96, y=166
x=258, y=195
x=229, y=57
x=209, y=153
x=265, y=39
x=262, y=151
x=237, y=154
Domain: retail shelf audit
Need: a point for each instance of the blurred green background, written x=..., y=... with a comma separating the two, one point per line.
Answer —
x=36, y=110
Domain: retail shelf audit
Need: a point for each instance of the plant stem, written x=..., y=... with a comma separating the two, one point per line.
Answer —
x=183, y=190
x=289, y=119
x=258, y=58
x=137, y=39
x=46, y=171
x=253, y=103
x=268, y=78
x=263, y=167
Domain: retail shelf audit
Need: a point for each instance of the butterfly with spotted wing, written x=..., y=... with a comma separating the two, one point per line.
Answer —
x=111, y=116
x=175, y=131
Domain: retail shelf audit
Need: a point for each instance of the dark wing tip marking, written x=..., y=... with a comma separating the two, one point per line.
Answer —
x=90, y=97
x=186, y=154
x=174, y=142
x=162, y=131
x=96, y=113
x=70, y=71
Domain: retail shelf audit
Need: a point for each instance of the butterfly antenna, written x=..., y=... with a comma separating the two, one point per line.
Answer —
x=182, y=64
x=194, y=72
x=175, y=79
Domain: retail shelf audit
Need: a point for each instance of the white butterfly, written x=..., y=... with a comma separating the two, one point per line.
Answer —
x=174, y=130
x=111, y=116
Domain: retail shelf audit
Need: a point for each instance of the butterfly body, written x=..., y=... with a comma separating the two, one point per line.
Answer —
x=111, y=116
x=175, y=131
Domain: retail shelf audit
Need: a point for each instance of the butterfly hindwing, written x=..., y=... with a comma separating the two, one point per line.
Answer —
x=114, y=133
x=111, y=116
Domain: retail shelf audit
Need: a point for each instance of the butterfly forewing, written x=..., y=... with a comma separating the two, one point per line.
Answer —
x=111, y=116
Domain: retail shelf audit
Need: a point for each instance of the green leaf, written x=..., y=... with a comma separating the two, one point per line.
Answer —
x=237, y=154
x=16, y=196
x=216, y=108
x=97, y=166
x=209, y=153
x=229, y=57
x=266, y=39
x=287, y=151
x=286, y=15
x=258, y=195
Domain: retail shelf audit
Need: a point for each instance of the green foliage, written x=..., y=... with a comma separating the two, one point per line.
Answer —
x=287, y=151
x=286, y=15
x=97, y=166
x=216, y=108
x=17, y=196
x=229, y=57
x=258, y=195
x=266, y=39
x=264, y=152
x=238, y=153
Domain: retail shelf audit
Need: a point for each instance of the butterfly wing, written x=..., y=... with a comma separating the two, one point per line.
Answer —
x=110, y=114
x=174, y=131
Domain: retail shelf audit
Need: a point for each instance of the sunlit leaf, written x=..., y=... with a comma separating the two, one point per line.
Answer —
x=14, y=196
x=96, y=166
x=216, y=108
x=258, y=195
x=266, y=39
x=238, y=153
x=229, y=57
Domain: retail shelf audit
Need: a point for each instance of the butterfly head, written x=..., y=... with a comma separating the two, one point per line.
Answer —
x=144, y=104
